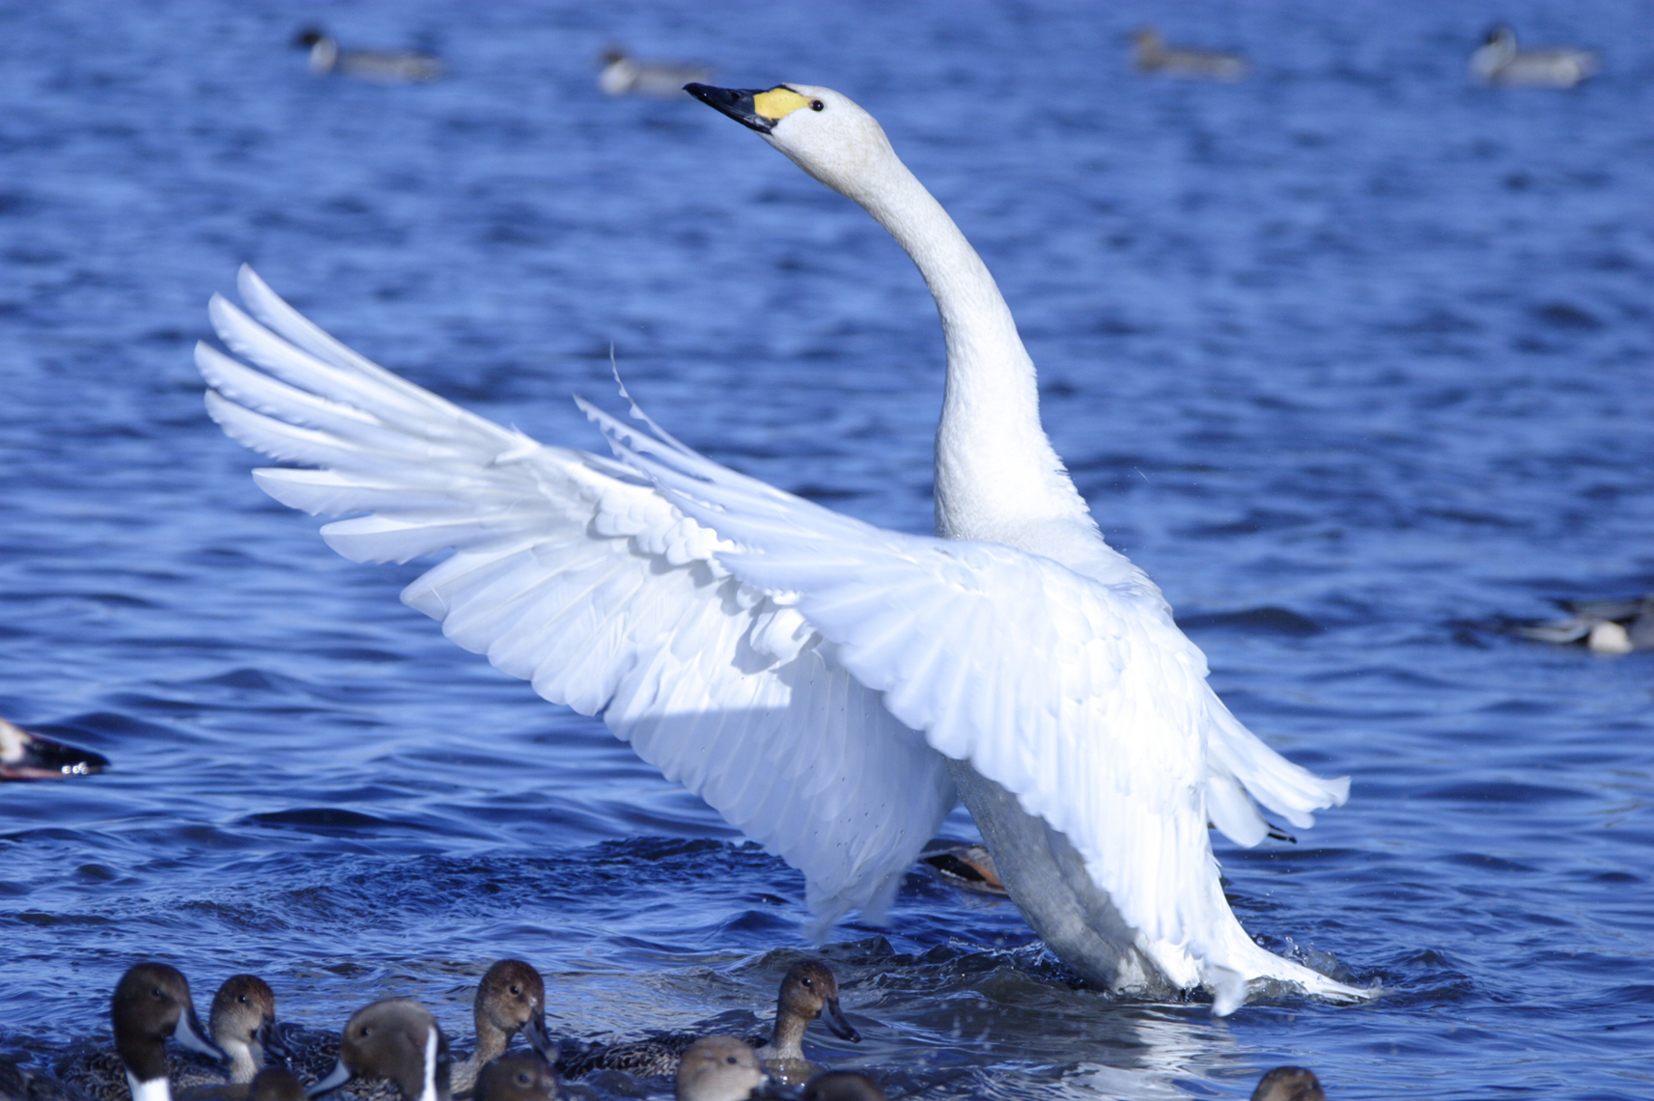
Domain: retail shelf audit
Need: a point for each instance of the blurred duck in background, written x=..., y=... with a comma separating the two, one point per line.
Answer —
x=25, y=756
x=386, y=68
x=625, y=75
x=1498, y=61
x=1150, y=54
x=1605, y=626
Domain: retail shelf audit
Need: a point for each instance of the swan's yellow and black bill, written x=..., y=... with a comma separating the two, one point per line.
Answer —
x=760, y=109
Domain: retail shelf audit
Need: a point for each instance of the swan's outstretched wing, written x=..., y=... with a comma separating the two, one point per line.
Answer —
x=575, y=573
x=1081, y=698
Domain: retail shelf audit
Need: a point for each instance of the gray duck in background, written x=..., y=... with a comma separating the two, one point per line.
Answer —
x=384, y=67
x=1499, y=61
x=1604, y=626
x=624, y=75
x=1150, y=54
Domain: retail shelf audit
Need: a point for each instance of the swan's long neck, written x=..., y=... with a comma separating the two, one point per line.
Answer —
x=997, y=477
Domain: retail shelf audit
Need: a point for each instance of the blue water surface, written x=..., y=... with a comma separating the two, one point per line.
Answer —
x=1353, y=356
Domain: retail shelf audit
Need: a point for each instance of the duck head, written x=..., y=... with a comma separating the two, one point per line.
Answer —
x=512, y=998
x=243, y=1020
x=516, y=1078
x=810, y=990
x=151, y=1005
x=719, y=1068
x=396, y=1039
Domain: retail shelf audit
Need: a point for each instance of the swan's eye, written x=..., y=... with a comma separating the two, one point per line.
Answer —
x=817, y=105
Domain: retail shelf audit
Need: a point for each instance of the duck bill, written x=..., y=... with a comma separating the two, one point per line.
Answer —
x=190, y=1034
x=32, y=757
x=737, y=103
x=341, y=1074
x=833, y=1018
x=269, y=1038
x=540, y=1040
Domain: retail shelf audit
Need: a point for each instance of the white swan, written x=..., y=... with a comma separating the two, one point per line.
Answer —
x=823, y=684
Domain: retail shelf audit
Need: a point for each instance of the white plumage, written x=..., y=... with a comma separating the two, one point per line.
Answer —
x=822, y=683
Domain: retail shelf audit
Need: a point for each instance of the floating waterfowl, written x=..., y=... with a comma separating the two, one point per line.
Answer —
x=1499, y=61
x=242, y=1023
x=26, y=756
x=809, y=990
x=511, y=998
x=970, y=867
x=395, y=1039
x=150, y=1006
x=1150, y=54
x=721, y=626
x=719, y=1068
x=1605, y=626
x=384, y=67
x=1289, y=1084
x=516, y=1078
x=843, y=1085
x=624, y=75
x=269, y=1084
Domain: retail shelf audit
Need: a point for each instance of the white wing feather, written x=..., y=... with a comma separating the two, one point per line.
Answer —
x=1081, y=698
x=575, y=573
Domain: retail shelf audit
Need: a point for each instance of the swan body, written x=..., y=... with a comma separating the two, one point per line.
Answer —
x=1499, y=61
x=829, y=687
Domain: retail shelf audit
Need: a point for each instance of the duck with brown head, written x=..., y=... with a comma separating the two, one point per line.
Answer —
x=151, y=1005
x=395, y=1039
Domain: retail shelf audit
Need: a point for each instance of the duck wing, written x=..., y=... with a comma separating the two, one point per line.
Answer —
x=574, y=572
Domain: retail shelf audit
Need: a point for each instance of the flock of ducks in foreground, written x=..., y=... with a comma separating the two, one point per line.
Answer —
x=395, y=1049
x=1498, y=60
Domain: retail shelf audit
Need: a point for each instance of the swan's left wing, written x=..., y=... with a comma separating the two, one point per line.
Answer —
x=1081, y=698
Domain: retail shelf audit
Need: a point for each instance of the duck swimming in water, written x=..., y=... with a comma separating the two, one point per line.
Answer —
x=26, y=756
x=624, y=75
x=150, y=1006
x=1499, y=61
x=831, y=688
x=395, y=1039
x=383, y=67
x=511, y=998
x=1150, y=54
x=809, y=990
x=242, y=1022
x=516, y=1078
x=719, y=1068
x=1603, y=626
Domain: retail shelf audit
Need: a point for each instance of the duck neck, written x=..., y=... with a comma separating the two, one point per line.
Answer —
x=149, y=1089
x=244, y=1062
x=787, y=1041
x=492, y=1040
x=996, y=472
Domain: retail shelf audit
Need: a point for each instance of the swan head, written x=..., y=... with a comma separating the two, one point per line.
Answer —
x=820, y=130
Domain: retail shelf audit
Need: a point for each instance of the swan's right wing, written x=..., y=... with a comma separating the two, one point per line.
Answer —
x=574, y=573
